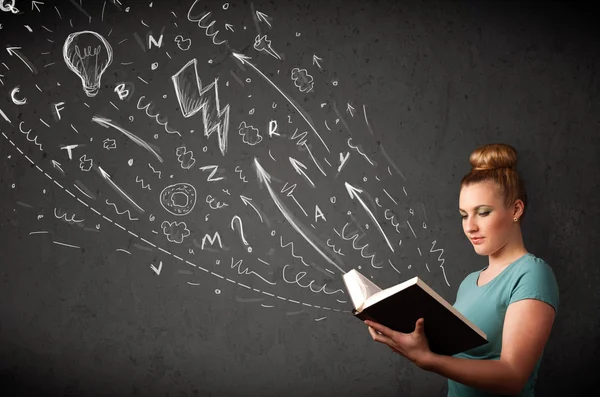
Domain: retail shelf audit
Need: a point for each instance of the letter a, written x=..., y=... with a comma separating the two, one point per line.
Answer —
x=319, y=214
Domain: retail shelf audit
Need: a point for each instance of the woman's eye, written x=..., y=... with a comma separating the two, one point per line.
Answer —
x=484, y=213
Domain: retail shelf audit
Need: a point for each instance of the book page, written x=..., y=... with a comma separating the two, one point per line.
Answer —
x=381, y=295
x=359, y=287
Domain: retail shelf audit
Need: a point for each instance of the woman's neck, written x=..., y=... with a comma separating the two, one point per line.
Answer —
x=506, y=255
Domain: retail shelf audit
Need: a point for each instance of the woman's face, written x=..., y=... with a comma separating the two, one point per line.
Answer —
x=485, y=217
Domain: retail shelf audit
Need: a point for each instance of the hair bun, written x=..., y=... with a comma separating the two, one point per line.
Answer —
x=493, y=156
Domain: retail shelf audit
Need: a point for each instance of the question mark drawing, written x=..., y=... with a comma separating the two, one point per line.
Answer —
x=240, y=228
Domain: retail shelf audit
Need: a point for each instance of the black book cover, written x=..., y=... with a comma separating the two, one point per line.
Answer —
x=446, y=333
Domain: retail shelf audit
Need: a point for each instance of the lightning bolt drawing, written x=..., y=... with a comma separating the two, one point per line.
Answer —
x=193, y=98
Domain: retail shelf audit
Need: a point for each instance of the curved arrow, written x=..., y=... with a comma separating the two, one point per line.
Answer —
x=354, y=193
x=265, y=178
x=244, y=60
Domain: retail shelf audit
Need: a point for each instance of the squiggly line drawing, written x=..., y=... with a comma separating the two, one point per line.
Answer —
x=34, y=140
x=153, y=170
x=141, y=181
x=440, y=259
x=123, y=212
x=205, y=27
x=300, y=276
x=294, y=255
x=210, y=199
x=391, y=219
x=243, y=178
x=332, y=246
x=238, y=264
x=155, y=116
x=150, y=244
x=354, y=238
x=301, y=137
x=64, y=216
x=360, y=152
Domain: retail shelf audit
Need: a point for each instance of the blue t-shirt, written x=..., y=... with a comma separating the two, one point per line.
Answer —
x=486, y=305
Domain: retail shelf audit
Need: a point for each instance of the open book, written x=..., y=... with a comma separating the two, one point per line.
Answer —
x=400, y=306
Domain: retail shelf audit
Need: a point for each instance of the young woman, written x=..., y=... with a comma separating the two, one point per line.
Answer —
x=513, y=300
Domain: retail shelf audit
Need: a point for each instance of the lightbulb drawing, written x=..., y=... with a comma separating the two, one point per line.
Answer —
x=87, y=54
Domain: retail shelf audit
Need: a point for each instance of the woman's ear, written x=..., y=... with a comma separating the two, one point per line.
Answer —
x=518, y=209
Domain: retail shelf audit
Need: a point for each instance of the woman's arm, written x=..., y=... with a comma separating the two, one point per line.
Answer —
x=527, y=326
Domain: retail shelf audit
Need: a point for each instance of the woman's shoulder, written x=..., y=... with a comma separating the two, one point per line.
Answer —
x=534, y=278
x=534, y=264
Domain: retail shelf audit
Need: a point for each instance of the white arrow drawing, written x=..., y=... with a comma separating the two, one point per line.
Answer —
x=56, y=165
x=35, y=4
x=157, y=271
x=355, y=193
x=228, y=26
x=350, y=109
x=13, y=51
x=244, y=60
x=299, y=167
x=247, y=201
x=316, y=60
x=118, y=189
x=265, y=178
x=263, y=17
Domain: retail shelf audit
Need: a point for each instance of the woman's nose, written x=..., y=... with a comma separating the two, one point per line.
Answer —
x=470, y=225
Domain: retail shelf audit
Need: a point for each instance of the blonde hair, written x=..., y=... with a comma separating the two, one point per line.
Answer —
x=496, y=162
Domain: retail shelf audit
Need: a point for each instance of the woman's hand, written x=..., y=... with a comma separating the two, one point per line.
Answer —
x=413, y=346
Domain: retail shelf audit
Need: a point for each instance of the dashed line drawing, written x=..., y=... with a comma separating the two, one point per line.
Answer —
x=122, y=212
x=169, y=253
x=66, y=245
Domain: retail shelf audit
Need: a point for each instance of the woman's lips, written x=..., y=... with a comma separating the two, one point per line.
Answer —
x=477, y=240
